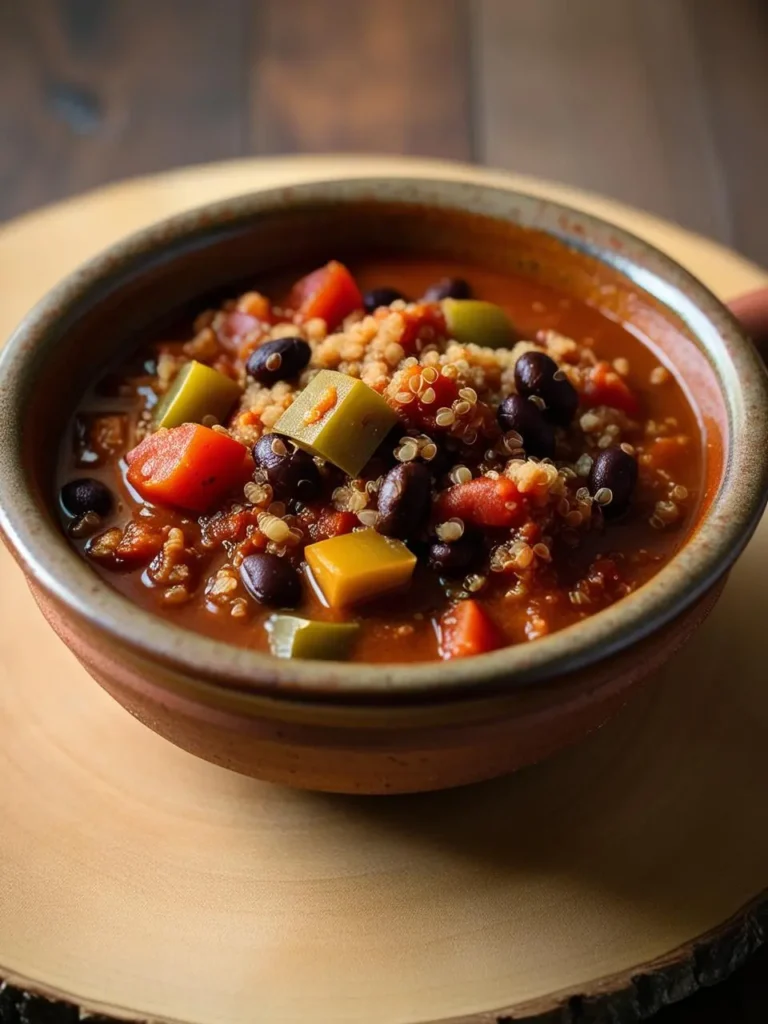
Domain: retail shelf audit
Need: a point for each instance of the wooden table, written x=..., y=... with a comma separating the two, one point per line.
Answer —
x=660, y=103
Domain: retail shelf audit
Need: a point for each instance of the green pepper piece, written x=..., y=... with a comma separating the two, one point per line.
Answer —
x=197, y=392
x=338, y=418
x=294, y=637
x=481, y=323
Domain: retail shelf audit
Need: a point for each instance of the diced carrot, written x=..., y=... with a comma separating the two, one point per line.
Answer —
x=329, y=293
x=483, y=502
x=606, y=387
x=189, y=467
x=466, y=629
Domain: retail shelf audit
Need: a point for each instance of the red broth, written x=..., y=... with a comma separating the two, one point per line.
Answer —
x=553, y=570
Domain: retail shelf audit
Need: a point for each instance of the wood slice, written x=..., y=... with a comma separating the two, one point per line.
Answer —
x=139, y=882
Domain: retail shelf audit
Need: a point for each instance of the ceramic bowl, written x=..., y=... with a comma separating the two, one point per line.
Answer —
x=375, y=728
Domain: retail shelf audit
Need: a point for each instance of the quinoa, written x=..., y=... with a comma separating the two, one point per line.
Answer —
x=447, y=395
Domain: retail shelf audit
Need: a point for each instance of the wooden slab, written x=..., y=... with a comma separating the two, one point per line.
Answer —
x=140, y=882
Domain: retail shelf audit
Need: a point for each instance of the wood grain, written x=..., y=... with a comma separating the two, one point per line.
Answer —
x=381, y=76
x=92, y=91
x=732, y=40
x=661, y=103
x=602, y=95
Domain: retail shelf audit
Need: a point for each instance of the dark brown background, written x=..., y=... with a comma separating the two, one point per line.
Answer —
x=660, y=103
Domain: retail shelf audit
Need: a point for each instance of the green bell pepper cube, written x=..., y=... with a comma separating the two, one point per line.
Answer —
x=293, y=637
x=339, y=418
x=197, y=392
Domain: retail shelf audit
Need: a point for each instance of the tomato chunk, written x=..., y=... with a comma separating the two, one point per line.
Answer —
x=188, y=467
x=606, y=387
x=466, y=630
x=423, y=324
x=329, y=293
x=233, y=327
x=444, y=391
x=139, y=545
x=333, y=523
x=483, y=502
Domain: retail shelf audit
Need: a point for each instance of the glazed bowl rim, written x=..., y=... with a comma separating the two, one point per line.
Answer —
x=721, y=534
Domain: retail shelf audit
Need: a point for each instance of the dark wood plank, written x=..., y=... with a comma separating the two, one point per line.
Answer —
x=606, y=96
x=732, y=40
x=92, y=91
x=386, y=76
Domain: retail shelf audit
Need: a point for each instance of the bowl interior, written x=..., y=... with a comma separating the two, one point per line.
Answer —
x=105, y=308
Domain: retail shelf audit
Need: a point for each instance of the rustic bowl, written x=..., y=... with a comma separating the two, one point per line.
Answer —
x=375, y=728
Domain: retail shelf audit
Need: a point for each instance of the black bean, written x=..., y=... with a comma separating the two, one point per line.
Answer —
x=277, y=360
x=457, y=558
x=520, y=414
x=86, y=495
x=380, y=297
x=441, y=461
x=616, y=471
x=448, y=288
x=291, y=472
x=536, y=374
x=271, y=580
x=404, y=500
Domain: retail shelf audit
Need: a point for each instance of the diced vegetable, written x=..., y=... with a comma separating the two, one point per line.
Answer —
x=188, y=467
x=329, y=293
x=333, y=523
x=338, y=418
x=440, y=393
x=466, y=630
x=359, y=566
x=99, y=436
x=483, y=502
x=232, y=327
x=197, y=392
x=606, y=387
x=293, y=637
x=232, y=525
x=484, y=323
x=139, y=544
x=423, y=323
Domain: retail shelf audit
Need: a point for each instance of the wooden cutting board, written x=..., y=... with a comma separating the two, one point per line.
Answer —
x=138, y=881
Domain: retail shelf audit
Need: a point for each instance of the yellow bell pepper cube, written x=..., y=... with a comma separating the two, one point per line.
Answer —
x=197, y=392
x=338, y=418
x=359, y=566
x=293, y=637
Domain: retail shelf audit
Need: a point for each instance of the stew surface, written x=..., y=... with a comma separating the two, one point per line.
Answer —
x=405, y=462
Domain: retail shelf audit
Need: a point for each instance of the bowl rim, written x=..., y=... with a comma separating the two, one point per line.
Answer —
x=720, y=536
